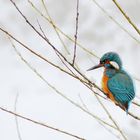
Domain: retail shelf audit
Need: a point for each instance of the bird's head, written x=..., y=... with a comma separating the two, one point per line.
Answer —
x=109, y=60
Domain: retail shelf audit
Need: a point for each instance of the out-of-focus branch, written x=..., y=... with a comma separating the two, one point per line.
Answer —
x=16, y=119
x=126, y=16
x=115, y=21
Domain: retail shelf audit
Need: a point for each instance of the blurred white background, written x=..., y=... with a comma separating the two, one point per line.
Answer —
x=36, y=100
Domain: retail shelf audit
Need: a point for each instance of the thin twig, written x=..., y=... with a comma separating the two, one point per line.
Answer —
x=53, y=25
x=16, y=119
x=135, y=103
x=41, y=29
x=126, y=16
x=132, y=115
x=76, y=32
x=40, y=123
x=55, y=51
x=58, y=29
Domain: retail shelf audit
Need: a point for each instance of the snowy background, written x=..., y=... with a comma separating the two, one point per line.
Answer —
x=36, y=100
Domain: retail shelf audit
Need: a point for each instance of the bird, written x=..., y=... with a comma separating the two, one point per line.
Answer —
x=117, y=84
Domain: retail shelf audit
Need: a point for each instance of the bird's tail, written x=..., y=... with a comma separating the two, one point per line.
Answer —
x=126, y=105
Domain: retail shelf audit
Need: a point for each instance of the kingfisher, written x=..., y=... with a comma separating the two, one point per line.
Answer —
x=117, y=84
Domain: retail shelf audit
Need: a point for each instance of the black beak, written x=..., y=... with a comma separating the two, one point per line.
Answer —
x=95, y=67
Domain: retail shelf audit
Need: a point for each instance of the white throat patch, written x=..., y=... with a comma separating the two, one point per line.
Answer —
x=115, y=65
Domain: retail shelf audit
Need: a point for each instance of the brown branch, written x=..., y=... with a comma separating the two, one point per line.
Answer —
x=76, y=32
x=40, y=123
x=126, y=16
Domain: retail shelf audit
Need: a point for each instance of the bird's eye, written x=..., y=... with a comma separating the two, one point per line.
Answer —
x=104, y=62
x=107, y=61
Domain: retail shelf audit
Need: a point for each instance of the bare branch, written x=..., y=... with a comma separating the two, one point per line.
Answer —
x=41, y=29
x=76, y=32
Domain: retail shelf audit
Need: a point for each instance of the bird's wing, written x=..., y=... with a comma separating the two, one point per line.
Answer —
x=121, y=86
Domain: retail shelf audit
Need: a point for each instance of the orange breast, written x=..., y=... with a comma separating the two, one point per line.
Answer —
x=105, y=87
